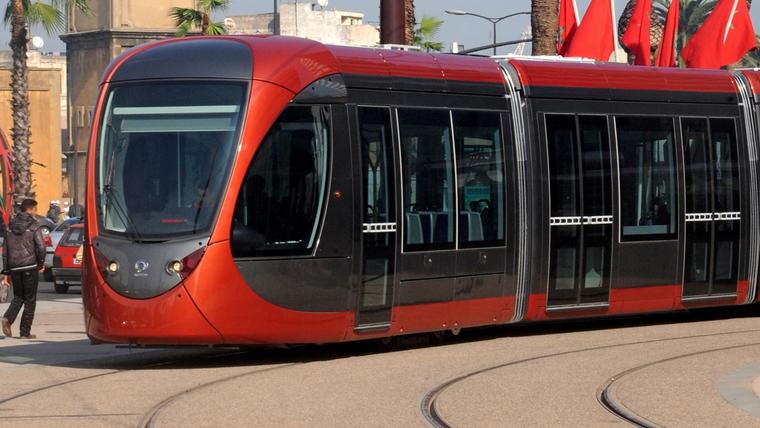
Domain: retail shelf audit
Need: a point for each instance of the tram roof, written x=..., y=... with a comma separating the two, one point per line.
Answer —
x=294, y=63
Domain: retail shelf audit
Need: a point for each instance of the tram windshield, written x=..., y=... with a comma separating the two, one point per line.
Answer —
x=164, y=155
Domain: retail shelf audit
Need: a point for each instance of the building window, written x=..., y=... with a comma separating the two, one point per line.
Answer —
x=648, y=199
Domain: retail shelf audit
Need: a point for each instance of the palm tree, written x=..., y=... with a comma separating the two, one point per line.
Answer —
x=185, y=19
x=544, y=23
x=425, y=31
x=20, y=14
x=409, y=30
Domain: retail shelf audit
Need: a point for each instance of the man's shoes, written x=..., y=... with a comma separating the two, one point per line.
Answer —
x=6, y=327
x=28, y=336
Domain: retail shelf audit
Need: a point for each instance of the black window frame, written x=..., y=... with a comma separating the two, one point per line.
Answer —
x=676, y=175
x=502, y=215
x=310, y=251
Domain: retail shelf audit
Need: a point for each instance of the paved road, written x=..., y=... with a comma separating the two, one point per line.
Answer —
x=695, y=369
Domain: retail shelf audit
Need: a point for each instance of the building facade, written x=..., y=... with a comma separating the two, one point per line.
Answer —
x=45, y=118
x=338, y=27
x=92, y=41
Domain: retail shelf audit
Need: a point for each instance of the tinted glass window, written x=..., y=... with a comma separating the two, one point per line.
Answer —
x=164, y=156
x=280, y=204
x=428, y=174
x=646, y=155
x=596, y=165
x=726, y=172
x=697, y=165
x=480, y=174
x=377, y=162
x=563, y=161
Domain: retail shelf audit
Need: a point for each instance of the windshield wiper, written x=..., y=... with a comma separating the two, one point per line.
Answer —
x=205, y=191
x=112, y=199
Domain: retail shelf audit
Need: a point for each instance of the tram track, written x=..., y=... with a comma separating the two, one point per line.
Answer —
x=608, y=399
x=54, y=385
x=150, y=418
x=432, y=414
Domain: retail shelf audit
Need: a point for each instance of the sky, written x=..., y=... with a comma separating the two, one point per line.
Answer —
x=467, y=30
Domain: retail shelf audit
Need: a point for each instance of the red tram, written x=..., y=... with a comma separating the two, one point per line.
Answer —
x=258, y=190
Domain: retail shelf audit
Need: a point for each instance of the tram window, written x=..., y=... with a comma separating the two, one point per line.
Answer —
x=697, y=160
x=480, y=175
x=163, y=157
x=596, y=165
x=560, y=131
x=648, y=200
x=279, y=206
x=428, y=179
x=723, y=136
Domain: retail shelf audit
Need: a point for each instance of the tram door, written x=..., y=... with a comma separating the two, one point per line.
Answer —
x=581, y=210
x=379, y=218
x=712, y=207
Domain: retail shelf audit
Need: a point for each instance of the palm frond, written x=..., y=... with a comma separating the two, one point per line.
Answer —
x=213, y=5
x=50, y=17
x=216, y=29
x=184, y=15
x=184, y=28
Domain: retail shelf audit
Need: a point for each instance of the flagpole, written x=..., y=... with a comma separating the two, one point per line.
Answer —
x=615, y=43
x=730, y=20
x=577, y=18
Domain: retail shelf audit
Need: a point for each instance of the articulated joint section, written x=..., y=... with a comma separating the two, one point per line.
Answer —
x=747, y=105
x=522, y=283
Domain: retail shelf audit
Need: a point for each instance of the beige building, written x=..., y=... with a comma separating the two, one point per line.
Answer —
x=44, y=108
x=338, y=27
x=92, y=41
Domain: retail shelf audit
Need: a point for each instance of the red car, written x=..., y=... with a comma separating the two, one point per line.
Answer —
x=67, y=260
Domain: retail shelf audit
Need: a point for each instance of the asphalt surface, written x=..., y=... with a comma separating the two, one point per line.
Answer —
x=677, y=370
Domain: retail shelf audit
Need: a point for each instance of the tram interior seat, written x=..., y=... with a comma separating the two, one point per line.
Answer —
x=413, y=229
x=472, y=224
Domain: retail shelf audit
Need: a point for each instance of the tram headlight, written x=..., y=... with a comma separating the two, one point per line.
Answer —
x=113, y=267
x=174, y=267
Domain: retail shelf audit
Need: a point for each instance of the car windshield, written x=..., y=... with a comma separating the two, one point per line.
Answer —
x=164, y=156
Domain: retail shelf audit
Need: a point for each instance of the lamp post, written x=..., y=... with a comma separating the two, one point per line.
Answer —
x=493, y=21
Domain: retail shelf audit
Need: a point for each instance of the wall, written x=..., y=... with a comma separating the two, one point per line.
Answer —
x=44, y=99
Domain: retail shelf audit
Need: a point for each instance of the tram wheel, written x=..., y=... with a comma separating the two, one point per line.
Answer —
x=61, y=288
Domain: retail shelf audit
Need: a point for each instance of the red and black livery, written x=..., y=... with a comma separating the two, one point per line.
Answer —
x=261, y=190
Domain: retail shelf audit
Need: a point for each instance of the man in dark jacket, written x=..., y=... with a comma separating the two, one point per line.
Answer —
x=24, y=255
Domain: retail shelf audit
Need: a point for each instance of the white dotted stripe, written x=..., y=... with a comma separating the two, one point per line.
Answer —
x=724, y=216
x=598, y=219
x=379, y=227
x=727, y=216
x=577, y=221
x=565, y=221
x=694, y=217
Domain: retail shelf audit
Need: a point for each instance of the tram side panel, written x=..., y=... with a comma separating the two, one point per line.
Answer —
x=647, y=272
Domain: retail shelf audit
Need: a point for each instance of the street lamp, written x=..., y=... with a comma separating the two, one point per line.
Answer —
x=494, y=21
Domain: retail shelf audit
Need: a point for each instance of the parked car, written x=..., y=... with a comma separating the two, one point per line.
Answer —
x=46, y=225
x=67, y=261
x=52, y=243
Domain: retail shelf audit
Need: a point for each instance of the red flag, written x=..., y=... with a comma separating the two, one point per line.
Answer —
x=666, y=57
x=594, y=38
x=723, y=39
x=568, y=23
x=636, y=36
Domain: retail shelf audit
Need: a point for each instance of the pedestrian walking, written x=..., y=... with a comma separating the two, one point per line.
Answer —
x=24, y=255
